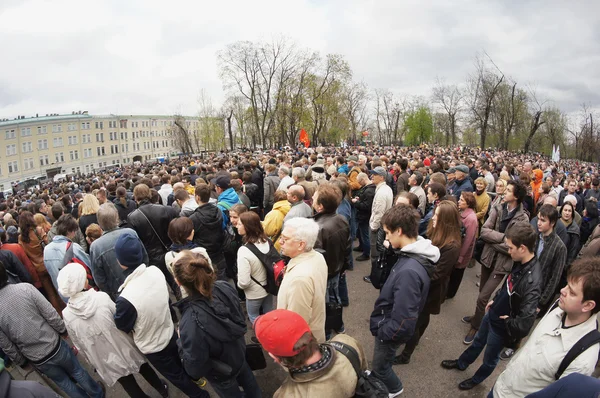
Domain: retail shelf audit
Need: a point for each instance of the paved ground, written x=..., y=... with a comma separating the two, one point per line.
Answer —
x=423, y=377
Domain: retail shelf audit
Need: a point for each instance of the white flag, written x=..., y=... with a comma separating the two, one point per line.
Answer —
x=557, y=154
x=553, y=152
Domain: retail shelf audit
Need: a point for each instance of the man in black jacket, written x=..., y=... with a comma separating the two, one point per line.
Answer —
x=151, y=223
x=511, y=314
x=208, y=229
x=571, y=190
x=403, y=295
x=363, y=202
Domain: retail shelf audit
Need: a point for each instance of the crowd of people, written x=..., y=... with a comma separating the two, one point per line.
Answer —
x=171, y=264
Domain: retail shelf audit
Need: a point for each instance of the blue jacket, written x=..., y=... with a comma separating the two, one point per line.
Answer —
x=460, y=186
x=54, y=255
x=403, y=296
x=343, y=169
x=227, y=199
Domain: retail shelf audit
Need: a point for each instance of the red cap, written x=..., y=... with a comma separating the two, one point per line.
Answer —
x=427, y=162
x=279, y=330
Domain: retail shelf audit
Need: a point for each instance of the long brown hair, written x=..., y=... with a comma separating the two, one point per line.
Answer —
x=27, y=224
x=194, y=273
x=447, y=228
x=254, y=229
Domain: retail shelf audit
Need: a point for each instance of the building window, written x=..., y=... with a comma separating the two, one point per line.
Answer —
x=123, y=124
x=13, y=166
x=27, y=147
x=71, y=127
x=26, y=132
x=85, y=125
x=28, y=164
x=44, y=160
x=73, y=140
x=100, y=151
x=57, y=128
x=11, y=149
x=10, y=134
x=74, y=155
x=99, y=137
x=60, y=157
x=41, y=130
x=87, y=153
x=57, y=141
x=42, y=144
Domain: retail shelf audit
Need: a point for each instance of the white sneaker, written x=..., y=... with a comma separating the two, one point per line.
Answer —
x=395, y=394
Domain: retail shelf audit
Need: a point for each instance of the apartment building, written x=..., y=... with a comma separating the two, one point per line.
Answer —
x=80, y=142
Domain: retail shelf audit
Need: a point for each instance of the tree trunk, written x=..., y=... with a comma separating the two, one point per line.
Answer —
x=230, y=130
x=534, y=128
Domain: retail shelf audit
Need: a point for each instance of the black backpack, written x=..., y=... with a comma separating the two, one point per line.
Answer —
x=274, y=265
x=367, y=385
x=386, y=261
x=590, y=339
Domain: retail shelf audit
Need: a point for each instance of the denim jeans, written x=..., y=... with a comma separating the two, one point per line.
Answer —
x=333, y=290
x=353, y=224
x=383, y=355
x=64, y=369
x=492, y=341
x=253, y=306
x=343, y=290
x=231, y=388
x=364, y=240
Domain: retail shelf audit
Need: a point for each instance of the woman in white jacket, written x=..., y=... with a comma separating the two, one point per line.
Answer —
x=89, y=321
x=252, y=275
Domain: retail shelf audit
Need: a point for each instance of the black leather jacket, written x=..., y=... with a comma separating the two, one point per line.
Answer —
x=365, y=202
x=333, y=238
x=524, y=300
x=159, y=217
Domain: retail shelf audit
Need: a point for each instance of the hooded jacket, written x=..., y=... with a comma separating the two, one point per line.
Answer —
x=89, y=321
x=208, y=228
x=188, y=207
x=227, y=199
x=403, y=296
x=273, y=222
x=536, y=184
x=212, y=333
x=124, y=209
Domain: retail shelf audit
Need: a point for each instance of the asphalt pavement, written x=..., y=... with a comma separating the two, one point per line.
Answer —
x=423, y=377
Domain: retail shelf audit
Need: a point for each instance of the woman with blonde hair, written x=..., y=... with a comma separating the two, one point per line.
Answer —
x=500, y=188
x=444, y=231
x=212, y=329
x=482, y=198
x=42, y=222
x=88, y=208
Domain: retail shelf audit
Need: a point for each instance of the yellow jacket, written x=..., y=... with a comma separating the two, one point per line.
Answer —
x=273, y=222
x=482, y=206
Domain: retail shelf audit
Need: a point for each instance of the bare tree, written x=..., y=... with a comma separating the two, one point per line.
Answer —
x=536, y=118
x=180, y=134
x=450, y=97
x=388, y=113
x=355, y=105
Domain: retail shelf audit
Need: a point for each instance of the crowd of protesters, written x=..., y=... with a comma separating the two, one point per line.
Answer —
x=170, y=264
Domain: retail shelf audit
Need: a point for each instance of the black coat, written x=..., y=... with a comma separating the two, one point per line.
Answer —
x=365, y=202
x=333, y=237
x=14, y=266
x=124, y=210
x=208, y=229
x=212, y=343
x=159, y=217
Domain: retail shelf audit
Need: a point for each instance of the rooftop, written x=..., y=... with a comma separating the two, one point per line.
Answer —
x=79, y=115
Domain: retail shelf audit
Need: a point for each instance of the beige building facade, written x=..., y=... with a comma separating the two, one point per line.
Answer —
x=80, y=142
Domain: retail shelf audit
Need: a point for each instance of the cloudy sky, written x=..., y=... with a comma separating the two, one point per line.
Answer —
x=154, y=57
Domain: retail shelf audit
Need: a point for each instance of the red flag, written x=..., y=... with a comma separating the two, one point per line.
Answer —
x=304, y=138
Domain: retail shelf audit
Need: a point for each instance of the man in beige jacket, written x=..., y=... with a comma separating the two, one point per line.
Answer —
x=305, y=279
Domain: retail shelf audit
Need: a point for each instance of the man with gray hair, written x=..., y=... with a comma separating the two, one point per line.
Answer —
x=299, y=176
x=286, y=180
x=305, y=282
x=105, y=268
x=295, y=195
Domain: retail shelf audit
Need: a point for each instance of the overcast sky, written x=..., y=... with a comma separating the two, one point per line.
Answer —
x=153, y=57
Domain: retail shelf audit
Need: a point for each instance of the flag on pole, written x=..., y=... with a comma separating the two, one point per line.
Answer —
x=304, y=138
x=553, y=152
x=557, y=154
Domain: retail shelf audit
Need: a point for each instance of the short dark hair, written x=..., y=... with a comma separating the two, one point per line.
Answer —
x=519, y=190
x=182, y=194
x=403, y=163
x=57, y=210
x=438, y=189
x=550, y=212
x=522, y=233
x=587, y=270
x=65, y=224
x=254, y=229
x=591, y=208
x=179, y=230
x=412, y=198
x=418, y=177
x=203, y=191
x=402, y=216
x=3, y=275
x=329, y=197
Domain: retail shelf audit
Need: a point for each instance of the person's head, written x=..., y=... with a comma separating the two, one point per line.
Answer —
x=221, y=182
x=250, y=227
x=480, y=184
x=590, y=209
x=141, y=192
x=40, y=220
x=108, y=217
x=295, y=193
x=415, y=179
x=101, y=195
x=571, y=199
x=545, y=188
x=444, y=227
x=582, y=293
x=572, y=186
x=279, y=195
x=202, y=193
x=193, y=271
x=67, y=226
x=500, y=186
x=93, y=232
x=451, y=174
x=298, y=236
x=567, y=211
x=283, y=172
x=327, y=199
x=461, y=171
x=57, y=210
x=362, y=179
x=89, y=205
x=298, y=174
x=466, y=201
x=181, y=197
x=547, y=217
x=435, y=192
x=438, y=177
x=520, y=240
x=286, y=336
x=401, y=225
x=407, y=198
x=515, y=192
x=378, y=175
x=235, y=212
x=129, y=251
x=181, y=230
